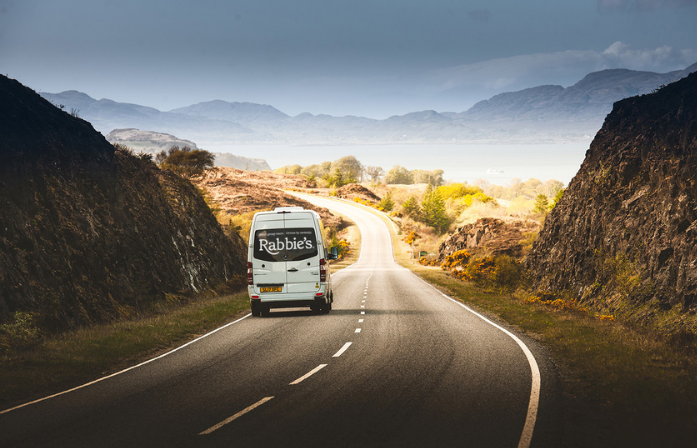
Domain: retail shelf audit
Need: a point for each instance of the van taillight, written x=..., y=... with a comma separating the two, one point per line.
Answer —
x=322, y=270
x=250, y=274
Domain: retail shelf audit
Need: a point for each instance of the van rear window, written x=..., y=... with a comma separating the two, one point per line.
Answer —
x=285, y=244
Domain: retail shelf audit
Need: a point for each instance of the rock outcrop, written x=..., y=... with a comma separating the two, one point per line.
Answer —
x=624, y=235
x=91, y=234
x=489, y=236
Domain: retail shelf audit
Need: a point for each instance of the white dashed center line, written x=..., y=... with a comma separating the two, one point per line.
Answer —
x=309, y=374
x=236, y=416
x=342, y=350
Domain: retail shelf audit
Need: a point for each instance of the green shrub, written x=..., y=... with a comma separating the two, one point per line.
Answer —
x=19, y=334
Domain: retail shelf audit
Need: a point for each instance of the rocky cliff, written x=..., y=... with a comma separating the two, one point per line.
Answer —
x=624, y=235
x=89, y=233
x=491, y=237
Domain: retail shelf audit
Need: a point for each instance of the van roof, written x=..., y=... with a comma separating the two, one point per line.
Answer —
x=287, y=209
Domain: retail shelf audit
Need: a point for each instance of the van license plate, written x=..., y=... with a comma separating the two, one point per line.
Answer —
x=271, y=289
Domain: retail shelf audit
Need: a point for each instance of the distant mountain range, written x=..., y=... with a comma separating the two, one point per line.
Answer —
x=537, y=114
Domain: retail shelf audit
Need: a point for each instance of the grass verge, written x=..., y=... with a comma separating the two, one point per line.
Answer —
x=74, y=358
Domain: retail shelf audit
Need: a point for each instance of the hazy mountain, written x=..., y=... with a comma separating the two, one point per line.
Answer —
x=243, y=113
x=154, y=142
x=589, y=99
x=542, y=113
x=106, y=115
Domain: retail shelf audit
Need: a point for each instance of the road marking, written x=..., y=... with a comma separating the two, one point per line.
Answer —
x=362, y=306
x=360, y=321
x=342, y=350
x=124, y=370
x=236, y=416
x=309, y=374
x=358, y=330
x=362, y=312
x=533, y=404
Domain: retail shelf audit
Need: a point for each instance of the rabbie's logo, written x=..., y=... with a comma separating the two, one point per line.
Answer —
x=281, y=244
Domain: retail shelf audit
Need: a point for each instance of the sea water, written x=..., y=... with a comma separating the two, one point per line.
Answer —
x=496, y=163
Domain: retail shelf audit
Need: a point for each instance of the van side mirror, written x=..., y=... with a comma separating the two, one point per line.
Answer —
x=333, y=253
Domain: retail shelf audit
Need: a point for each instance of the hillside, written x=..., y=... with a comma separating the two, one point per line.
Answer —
x=239, y=191
x=91, y=234
x=537, y=114
x=624, y=236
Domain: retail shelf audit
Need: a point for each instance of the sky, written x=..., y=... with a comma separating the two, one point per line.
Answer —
x=373, y=58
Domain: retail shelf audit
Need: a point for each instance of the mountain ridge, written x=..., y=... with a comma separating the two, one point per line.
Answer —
x=539, y=113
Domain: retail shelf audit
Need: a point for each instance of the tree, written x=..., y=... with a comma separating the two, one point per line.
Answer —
x=399, y=175
x=374, y=172
x=336, y=179
x=186, y=161
x=387, y=203
x=434, y=177
x=433, y=210
x=350, y=168
x=411, y=208
x=541, y=204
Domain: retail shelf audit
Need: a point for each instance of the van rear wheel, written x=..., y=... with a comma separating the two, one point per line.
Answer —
x=256, y=308
x=265, y=310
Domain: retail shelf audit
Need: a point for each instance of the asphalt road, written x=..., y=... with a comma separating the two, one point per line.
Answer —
x=395, y=364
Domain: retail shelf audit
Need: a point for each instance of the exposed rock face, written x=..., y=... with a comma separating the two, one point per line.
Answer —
x=88, y=233
x=489, y=236
x=625, y=232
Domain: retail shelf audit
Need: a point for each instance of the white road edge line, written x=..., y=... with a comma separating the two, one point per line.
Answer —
x=531, y=418
x=309, y=374
x=124, y=370
x=342, y=350
x=236, y=416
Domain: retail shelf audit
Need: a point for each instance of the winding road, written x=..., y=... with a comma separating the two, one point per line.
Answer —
x=394, y=364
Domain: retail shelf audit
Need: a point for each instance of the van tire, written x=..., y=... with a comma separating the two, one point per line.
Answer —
x=256, y=309
x=265, y=310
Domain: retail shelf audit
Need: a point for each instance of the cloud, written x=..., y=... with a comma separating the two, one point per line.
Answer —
x=643, y=5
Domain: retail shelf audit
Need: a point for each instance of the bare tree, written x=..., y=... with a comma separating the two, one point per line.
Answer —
x=374, y=172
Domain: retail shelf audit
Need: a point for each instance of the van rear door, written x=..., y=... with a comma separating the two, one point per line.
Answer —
x=302, y=259
x=287, y=253
x=269, y=265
